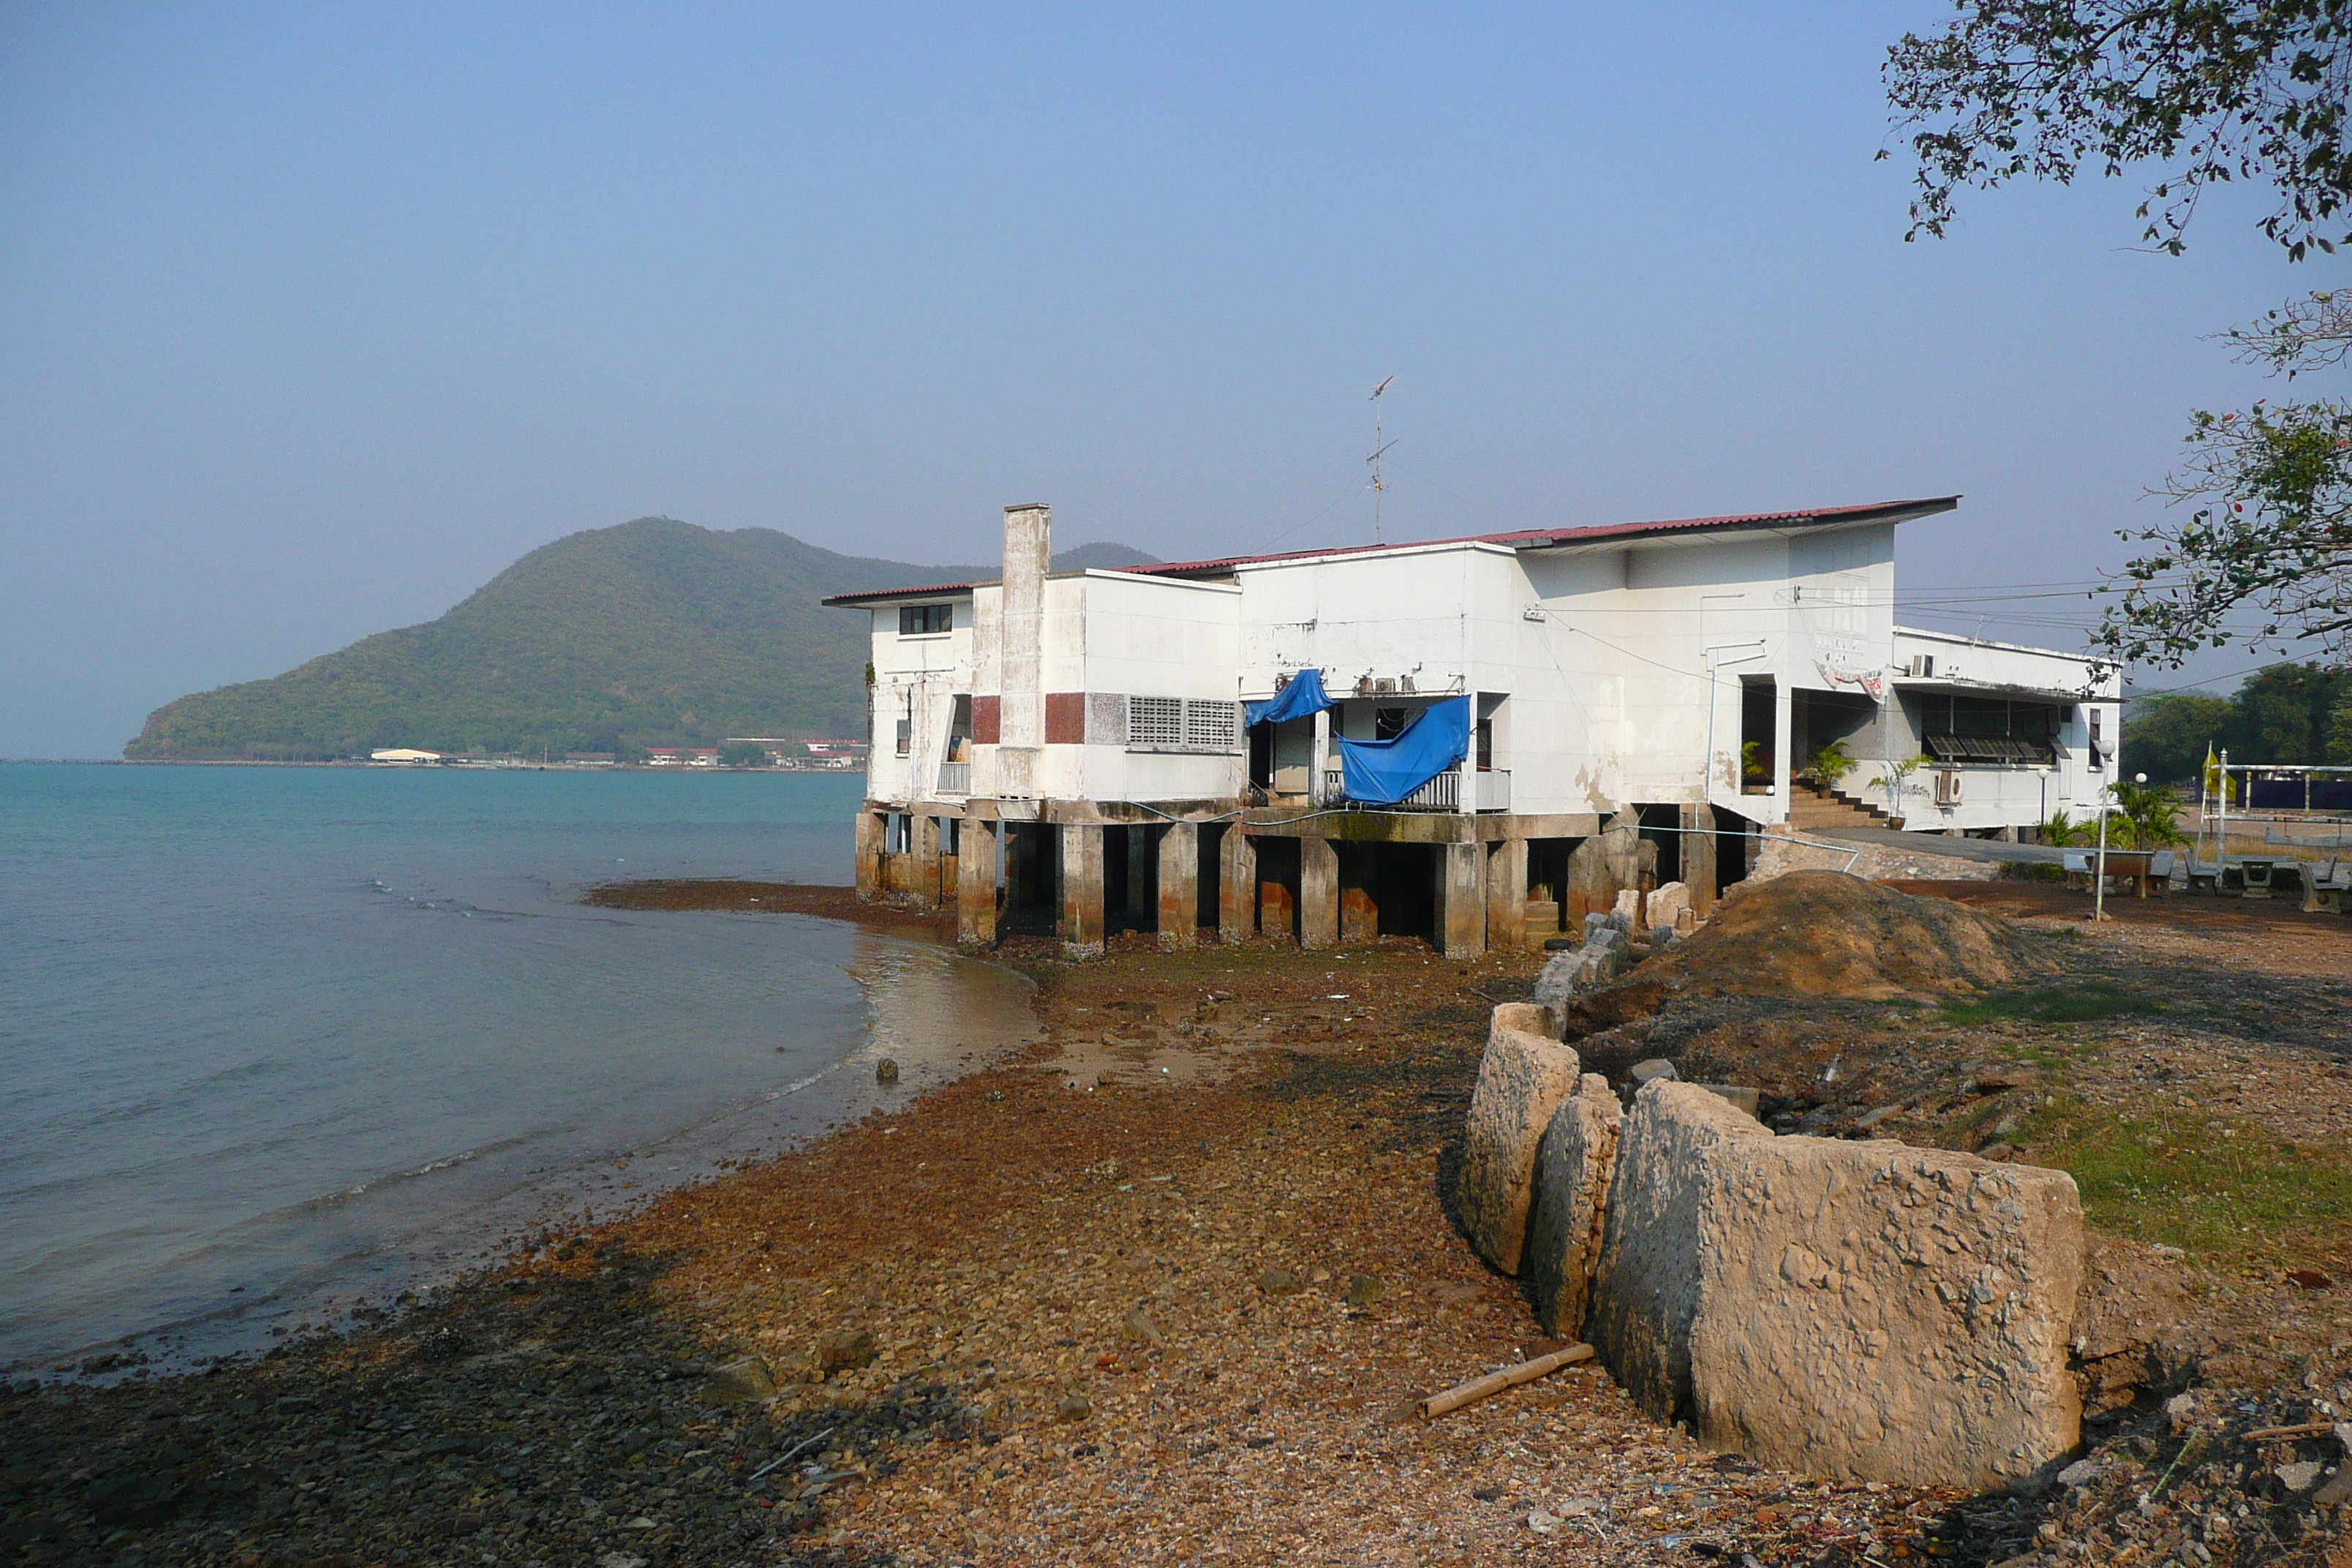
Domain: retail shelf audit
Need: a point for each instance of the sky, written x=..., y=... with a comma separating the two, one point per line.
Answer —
x=314, y=318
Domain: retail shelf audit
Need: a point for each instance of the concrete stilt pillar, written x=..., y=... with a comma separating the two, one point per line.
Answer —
x=1359, y=905
x=1462, y=897
x=1180, y=886
x=1506, y=893
x=1318, y=893
x=976, y=884
x=1082, y=889
x=1140, y=904
x=869, y=856
x=1236, y=885
x=924, y=851
x=1698, y=857
x=1784, y=740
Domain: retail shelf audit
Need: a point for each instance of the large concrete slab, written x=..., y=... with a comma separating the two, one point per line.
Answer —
x=1868, y=1310
x=1646, y=1290
x=1888, y=1313
x=1574, y=1167
x=1522, y=1078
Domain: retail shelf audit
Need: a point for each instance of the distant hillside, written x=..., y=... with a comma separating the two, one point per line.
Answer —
x=652, y=632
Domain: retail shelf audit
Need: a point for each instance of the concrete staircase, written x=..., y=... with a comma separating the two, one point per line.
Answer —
x=1811, y=810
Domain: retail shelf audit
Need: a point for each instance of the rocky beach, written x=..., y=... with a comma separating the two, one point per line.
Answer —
x=1161, y=1288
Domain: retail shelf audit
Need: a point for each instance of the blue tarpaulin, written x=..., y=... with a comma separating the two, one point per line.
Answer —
x=1382, y=773
x=1302, y=698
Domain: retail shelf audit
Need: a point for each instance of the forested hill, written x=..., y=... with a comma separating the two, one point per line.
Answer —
x=652, y=632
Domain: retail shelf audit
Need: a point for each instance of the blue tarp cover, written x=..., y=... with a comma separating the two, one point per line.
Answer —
x=1302, y=698
x=1382, y=773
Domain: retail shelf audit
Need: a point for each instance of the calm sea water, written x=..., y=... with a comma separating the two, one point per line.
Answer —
x=275, y=1041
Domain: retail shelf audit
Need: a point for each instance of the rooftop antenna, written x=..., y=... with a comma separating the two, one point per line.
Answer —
x=1379, y=447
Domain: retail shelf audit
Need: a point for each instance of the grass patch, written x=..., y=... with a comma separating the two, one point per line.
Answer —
x=2079, y=1003
x=2222, y=1191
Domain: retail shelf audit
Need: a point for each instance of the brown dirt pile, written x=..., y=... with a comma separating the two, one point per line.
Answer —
x=1823, y=933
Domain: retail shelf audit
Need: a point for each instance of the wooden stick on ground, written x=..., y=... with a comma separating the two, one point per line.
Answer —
x=2302, y=1429
x=1494, y=1382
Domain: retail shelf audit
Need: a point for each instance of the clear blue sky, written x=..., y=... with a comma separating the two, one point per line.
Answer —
x=312, y=317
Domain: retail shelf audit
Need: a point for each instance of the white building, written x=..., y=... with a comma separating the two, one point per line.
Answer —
x=1073, y=750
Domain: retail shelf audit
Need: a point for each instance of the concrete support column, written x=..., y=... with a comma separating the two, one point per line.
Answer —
x=1319, y=758
x=1506, y=893
x=924, y=845
x=1699, y=873
x=1359, y=909
x=1180, y=886
x=1318, y=893
x=976, y=884
x=1462, y=899
x=1236, y=885
x=1082, y=889
x=869, y=856
x=1784, y=740
x=1138, y=874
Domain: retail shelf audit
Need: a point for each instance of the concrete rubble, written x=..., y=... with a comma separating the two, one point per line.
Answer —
x=1865, y=1311
x=1522, y=1078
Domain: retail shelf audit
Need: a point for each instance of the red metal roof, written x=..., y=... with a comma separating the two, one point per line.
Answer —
x=1523, y=539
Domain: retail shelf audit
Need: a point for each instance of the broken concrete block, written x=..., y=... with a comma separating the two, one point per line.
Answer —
x=1656, y=1068
x=1662, y=938
x=1645, y=1292
x=1744, y=1098
x=1859, y=1309
x=1522, y=1078
x=1665, y=905
x=1686, y=923
x=1627, y=915
x=1883, y=1312
x=1573, y=1169
x=1557, y=983
x=1595, y=924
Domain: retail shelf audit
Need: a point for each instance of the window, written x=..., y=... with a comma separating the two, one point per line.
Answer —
x=925, y=620
x=1388, y=724
x=905, y=736
x=1210, y=726
x=1155, y=721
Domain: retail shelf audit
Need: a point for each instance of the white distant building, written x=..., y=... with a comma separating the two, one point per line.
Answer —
x=1609, y=704
x=404, y=756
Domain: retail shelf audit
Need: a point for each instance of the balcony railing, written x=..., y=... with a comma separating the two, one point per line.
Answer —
x=1443, y=793
x=955, y=778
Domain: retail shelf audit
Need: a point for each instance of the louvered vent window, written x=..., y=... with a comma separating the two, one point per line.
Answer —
x=1155, y=721
x=1210, y=726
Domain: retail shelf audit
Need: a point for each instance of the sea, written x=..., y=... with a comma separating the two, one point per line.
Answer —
x=277, y=1043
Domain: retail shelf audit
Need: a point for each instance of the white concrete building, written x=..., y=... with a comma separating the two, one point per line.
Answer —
x=1074, y=749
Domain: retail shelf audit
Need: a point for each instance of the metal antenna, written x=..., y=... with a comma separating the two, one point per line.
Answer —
x=1379, y=447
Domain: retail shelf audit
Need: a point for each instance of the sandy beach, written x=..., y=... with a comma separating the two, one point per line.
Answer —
x=1151, y=1291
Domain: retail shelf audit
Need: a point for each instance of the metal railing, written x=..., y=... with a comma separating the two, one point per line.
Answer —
x=955, y=778
x=1443, y=793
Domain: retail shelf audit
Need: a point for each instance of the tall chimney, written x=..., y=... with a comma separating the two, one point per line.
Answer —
x=1028, y=552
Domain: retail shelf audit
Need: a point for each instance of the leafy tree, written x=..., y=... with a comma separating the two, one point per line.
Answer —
x=2285, y=713
x=2272, y=491
x=743, y=754
x=2209, y=91
x=2165, y=736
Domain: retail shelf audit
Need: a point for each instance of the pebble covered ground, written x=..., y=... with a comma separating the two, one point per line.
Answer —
x=1157, y=1292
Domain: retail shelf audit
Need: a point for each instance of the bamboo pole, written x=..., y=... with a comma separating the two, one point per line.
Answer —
x=1494, y=1382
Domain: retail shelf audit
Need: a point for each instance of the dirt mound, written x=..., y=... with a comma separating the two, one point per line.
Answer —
x=1824, y=933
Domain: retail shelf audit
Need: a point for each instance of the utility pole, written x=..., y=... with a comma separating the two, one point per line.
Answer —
x=1379, y=447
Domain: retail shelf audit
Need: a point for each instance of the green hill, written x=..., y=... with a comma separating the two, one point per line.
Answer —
x=652, y=632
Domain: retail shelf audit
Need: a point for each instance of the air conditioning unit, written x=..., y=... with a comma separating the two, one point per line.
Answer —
x=1384, y=687
x=1947, y=787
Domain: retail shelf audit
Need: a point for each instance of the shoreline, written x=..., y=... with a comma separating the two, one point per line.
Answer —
x=1146, y=1291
